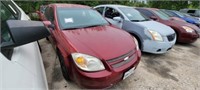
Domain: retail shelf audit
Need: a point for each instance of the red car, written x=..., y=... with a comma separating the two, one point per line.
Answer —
x=92, y=52
x=186, y=33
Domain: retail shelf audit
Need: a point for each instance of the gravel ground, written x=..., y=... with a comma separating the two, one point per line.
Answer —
x=178, y=69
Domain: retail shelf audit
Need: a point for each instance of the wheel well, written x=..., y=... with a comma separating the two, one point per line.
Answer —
x=139, y=41
x=177, y=34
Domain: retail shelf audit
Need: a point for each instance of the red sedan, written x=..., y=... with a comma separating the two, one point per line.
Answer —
x=91, y=51
x=186, y=33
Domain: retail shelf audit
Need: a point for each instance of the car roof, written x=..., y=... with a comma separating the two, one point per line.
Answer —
x=69, y=5
x=114, y=5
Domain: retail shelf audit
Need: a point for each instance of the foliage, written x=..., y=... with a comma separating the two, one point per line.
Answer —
x=31, y=6
x=175, y=5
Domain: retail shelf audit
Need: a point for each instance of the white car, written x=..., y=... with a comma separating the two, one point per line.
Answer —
x=21, y=65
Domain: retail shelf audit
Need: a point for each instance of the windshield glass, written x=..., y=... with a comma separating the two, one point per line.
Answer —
x=168, y=13
x=161, y=14
x=133, y=15
x=79, y=18
x=178, y=13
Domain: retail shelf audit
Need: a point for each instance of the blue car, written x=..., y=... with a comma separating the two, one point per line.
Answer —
x=188, y=19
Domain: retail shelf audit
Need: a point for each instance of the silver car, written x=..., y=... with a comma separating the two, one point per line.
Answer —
x=152, y=36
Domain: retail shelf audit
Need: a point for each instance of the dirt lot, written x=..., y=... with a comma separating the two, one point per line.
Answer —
x=178, y=69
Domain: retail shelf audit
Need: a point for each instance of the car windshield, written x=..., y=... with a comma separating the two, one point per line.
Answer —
x=72, y=18
x=133, y=15
x=180, y=14
x=168, y=13
x=161, y=14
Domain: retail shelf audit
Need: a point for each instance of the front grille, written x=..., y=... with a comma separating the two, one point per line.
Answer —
x=119, y=61
x=171, y=37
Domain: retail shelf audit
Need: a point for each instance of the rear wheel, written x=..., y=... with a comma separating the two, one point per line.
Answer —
x=63, y=67
x=47, y=38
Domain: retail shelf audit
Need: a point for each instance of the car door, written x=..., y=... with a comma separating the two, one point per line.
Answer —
x=20, y=67
x=110, y=13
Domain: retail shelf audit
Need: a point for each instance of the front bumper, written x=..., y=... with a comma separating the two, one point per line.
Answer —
x=157, y=47
x=188, y=37
x=105, y=78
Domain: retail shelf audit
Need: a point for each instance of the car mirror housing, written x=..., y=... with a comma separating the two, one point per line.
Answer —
x=24, y=31
x=153, y=17
x=119, y=19
x=48, y=24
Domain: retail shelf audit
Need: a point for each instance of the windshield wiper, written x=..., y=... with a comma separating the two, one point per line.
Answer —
x=145, y=20
x=140, y=20
x=83, y=27
x=135, y=20
x=93, y=25
x=71, y=28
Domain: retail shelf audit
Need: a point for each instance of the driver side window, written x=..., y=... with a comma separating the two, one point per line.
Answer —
x=111, y=13
x=6, y=14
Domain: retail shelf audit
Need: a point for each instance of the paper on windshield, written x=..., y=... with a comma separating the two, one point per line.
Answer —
x=69, y=20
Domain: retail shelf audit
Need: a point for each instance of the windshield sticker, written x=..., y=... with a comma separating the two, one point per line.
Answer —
x=69, y=20
x=129, y=15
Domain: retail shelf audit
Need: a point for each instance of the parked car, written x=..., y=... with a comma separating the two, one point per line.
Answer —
x=192, y=12
x=149, y=34
x=186, y=33
x=21, y=65
x=188, y=19
x=91, y=51
x=172, y=16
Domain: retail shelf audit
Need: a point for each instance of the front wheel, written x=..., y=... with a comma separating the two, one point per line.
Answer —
x=63, y=67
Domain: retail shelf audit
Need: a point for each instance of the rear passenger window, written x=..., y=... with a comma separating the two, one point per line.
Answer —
x=100, y=10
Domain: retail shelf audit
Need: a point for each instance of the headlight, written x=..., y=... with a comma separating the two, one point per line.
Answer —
x=187, y=29
x=87, y=62
x=156, y=36
x=136, y=43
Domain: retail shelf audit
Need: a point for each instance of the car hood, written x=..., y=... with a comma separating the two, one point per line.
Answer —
x=158, y=27
x=103, y=42
x=180, y=24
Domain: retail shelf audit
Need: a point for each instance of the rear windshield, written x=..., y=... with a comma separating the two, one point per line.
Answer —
x=179, y=13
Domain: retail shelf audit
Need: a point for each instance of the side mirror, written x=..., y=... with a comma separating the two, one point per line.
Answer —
x=119, y=19
x=153, y=17
x=48, y=24
x=24, y=31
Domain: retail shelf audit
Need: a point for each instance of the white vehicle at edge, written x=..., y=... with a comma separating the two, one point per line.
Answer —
x=21, y=68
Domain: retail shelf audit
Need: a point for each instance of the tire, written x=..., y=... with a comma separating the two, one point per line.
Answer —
x=63, y=67
x=47, y=38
